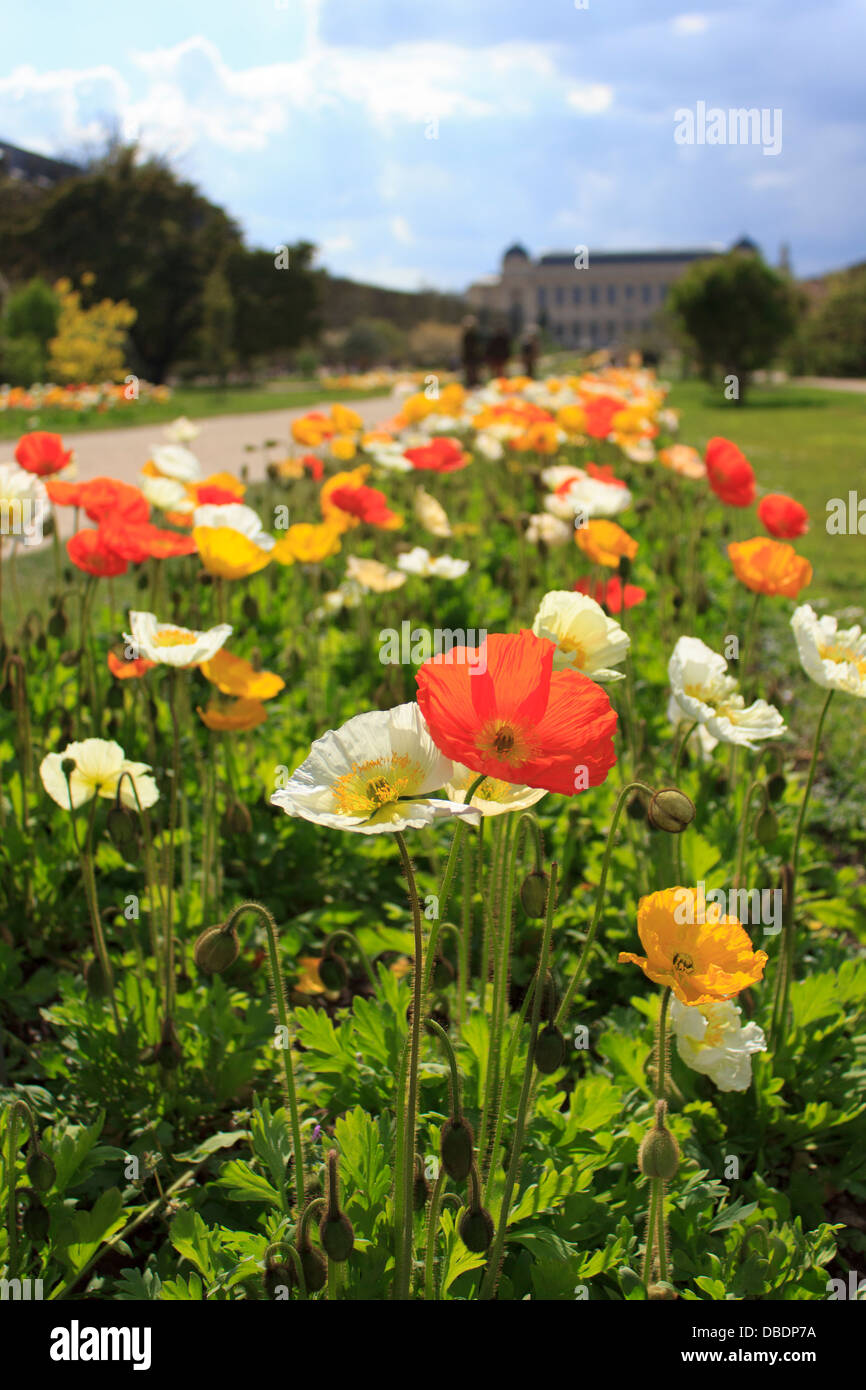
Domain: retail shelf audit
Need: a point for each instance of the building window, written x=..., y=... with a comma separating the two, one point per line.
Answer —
x=611, y=330
x=593, y=295
x=575, y=294
x=611, y=294
x=646, y=293
x=629, y=291
x=559, y=296
x=593, y=332
x=575, y=331
x=663, y=289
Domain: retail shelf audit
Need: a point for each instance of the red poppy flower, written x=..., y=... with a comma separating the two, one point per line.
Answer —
x=314, y=466
x=144, y=541
x=64, y=494
x=599, y=412
x=106, y=497
x=610, y=594
x=729, y=473
x=127, y=670
x=782, y=516
x=216, y=496
x=517, y=719
x=89, y=551
x=367, y=504
x=603, y=473
x=441, y=455
x=42, y=453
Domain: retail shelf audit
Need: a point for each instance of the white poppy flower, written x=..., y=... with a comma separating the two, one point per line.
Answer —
x=702, y=736
x=165, y=493
x=705, y=692
x=390, y=457
x=592, y=497
x=174, y=461
x=712, y=1040
x=488, y=445
x=181, y=431
x=493, y=797
x=832, y=658
x=373, y=776
x=419, y=561
x=24, y=504
x=431, y=514
x=99, y=765
x=586, y=639
x=641, y=451
x=172, y=645
x=550, y=529
x=559, y=473
x=372, y=575
x=234, y=516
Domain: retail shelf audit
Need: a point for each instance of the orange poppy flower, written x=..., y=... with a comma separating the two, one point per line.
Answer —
x=703, y=956
x=107, y=497
x=605, y=543
x=235, y=676
x=144, y=541
x=770, y=567
x=128, y=670
x=42, y=453
x=517, y=719
x=64, y=494
x=612, y=594
x=366, y=504
x=599, y=412
x=233, y=717
x=442, y=455
x=540, y=438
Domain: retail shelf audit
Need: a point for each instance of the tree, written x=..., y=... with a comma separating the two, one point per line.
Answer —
x=832, y=341
x=217, y=328
x=276, y=296
x=373, y=343
x=29, y=322
x=149, y=237
x=737, y=312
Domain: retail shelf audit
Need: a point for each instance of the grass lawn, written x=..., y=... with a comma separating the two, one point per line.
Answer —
x=805, y=442
x=196, y=402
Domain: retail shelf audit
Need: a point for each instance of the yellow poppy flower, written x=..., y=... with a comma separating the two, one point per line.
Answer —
x=308, y=543
x=604, y=542
x=345, y=420
x=227, y=553
x=343, y=447
x=235, y=676
x=690, y=946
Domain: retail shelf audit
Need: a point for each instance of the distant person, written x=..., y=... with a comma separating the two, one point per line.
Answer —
x=529, y=351
x=498, y=352
x=471, y=352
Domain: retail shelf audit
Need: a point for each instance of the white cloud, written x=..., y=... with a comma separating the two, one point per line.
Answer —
x=685, y=24
x=401, y=231
x=591, y=98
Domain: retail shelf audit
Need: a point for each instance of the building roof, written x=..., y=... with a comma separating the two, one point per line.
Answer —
x=627, y=257
x=516, y=250
x=34, y=168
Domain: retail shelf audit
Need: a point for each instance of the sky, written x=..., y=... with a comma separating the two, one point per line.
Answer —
x=413, y=141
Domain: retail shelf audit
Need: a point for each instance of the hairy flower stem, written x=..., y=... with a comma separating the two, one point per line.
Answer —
x=404, y=1214
x=577, y=977
x=172, y=830
x=154, y=897
x=286, y=1052
x=88, y=878
x=656, y=1229
x=11, y=1193
x=785, y=967
x=432, y=1236
x=744, y=826
x=494, y=1260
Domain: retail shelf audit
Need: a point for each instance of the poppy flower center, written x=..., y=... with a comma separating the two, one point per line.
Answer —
x=683, y=964
x=175, y=637
x=839, y=652
x=367, y=787
x=501, y=740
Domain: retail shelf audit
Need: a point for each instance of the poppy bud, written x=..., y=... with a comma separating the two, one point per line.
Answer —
x=776, y=786
x=216, y=949
x=533, y=894
x=36, y=1221
x=40, y=1170
x=333, y=972
x=766, y=827
x=549, y=1053
x=70, y=658
x=624, y=567
x=475, y=1229
x=456, y=1147
x=659, y=1153
x=250, y=609
x=420, y=1186
x=94, y=979
x=168, y=1050
x=114, y=697
x=121, y=827
x=660, y=1291
x=68, y=766
x=57, y=623
x=276, y=1277
x=337, y=1236
x=671, y=810
x=142, y=581
x=236, y=819
x=315, y=1269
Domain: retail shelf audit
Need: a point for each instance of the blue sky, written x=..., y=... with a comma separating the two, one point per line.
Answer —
x=553, y=124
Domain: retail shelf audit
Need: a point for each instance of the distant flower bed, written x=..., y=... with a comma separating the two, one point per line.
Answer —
x=100, y=397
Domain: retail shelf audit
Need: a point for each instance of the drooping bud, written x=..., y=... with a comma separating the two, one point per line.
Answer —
x=475, y=1229
x=122, y=827
x=315, y=1268
x=659, y=1153
x=335, y=1229
x=57, y=623
x=278, y=1276
x=766, y=827
x=549, y=999
x=168, y=1050
x=94, y=979
x=420, y=1186
x=250, y=609
x=549, y=1053
x=776, y=786
x=40, y=1170
x=456, y=1148
x=333, y=972
x=36, y=1221
x=533, y=894
x=216, y=949
x=671, y=810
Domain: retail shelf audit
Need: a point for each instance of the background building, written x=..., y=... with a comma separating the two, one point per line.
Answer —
x=26, y=167
x=608, y=301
